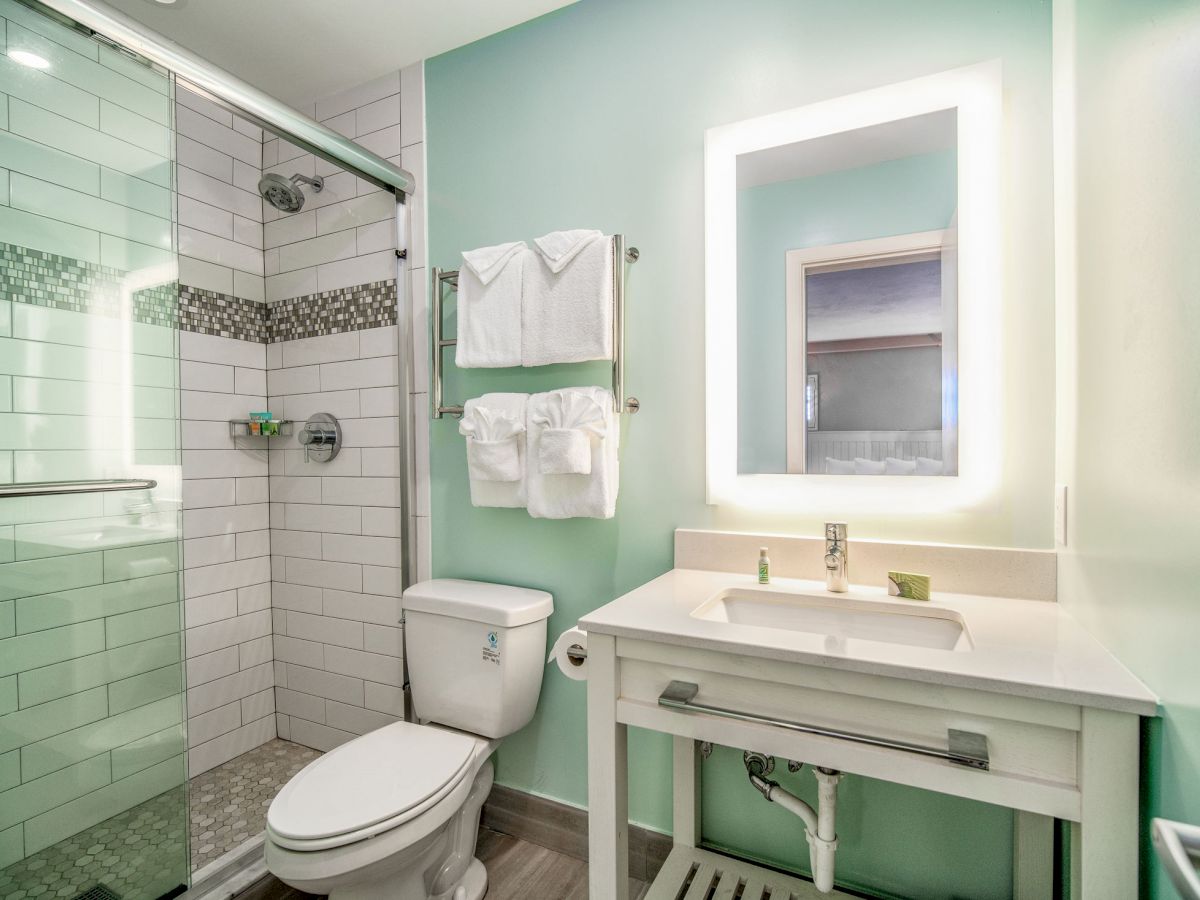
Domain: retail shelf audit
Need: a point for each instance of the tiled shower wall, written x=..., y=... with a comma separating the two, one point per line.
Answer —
x=227, y=565
x=336, y=528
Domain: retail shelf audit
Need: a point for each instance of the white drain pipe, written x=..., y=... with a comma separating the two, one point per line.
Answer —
x=819, y=824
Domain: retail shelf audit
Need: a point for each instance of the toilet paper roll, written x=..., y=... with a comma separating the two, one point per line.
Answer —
x=570, y=653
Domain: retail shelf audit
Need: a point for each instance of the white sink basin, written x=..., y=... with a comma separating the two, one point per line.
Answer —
x=840, y=619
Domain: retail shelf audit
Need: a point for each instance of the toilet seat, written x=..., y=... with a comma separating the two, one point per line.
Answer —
x=372, y=784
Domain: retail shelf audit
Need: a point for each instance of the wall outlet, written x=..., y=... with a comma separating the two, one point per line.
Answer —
x=1060, y=515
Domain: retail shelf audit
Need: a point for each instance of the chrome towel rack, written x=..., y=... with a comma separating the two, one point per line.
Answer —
x=448, y=278
x=53, y=488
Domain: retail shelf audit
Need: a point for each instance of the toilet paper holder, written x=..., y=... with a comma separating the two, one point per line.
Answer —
x=577, y=654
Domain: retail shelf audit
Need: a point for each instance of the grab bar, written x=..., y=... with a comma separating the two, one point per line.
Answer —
x=965, y=748
x=1178, y=848
x=52, y=488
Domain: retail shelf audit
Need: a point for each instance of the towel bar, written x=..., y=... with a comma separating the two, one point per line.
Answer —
x=443, y=278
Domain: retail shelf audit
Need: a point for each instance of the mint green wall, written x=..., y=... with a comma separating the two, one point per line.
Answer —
x=1130, y=399
x=900, y=196
x=594, y=116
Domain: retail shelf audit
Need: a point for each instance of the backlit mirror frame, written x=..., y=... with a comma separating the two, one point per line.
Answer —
x=975, y=93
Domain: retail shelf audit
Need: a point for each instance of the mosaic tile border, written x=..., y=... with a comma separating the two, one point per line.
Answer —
x=371, y=305
x=60, y=282
x=224, y=315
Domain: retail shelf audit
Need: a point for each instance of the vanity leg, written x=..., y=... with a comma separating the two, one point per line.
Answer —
x=1104, y=844
x=1033, y=856
x=686, y=791
x=608, y=785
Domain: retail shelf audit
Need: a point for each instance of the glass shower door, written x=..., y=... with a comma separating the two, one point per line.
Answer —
x=92, y=727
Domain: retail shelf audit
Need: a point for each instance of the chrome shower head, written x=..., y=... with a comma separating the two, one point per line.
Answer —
x=285, y=194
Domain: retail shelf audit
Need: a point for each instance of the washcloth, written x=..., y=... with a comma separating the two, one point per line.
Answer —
x=509, y=407
x=493, y=443
x=489, y=306
x=569, y=496
x=567, y=299
x=570, y=421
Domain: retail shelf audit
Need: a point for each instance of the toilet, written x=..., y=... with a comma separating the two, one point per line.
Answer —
x=395, y=813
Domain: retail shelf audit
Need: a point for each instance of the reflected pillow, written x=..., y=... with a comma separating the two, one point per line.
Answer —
x=895, y=466
x=868, y=466
x=927, y=466
x=838, y=466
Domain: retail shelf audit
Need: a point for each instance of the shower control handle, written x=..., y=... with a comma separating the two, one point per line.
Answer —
x=321, y=438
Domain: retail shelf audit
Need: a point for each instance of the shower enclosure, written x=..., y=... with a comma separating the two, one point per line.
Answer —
x=93, y=715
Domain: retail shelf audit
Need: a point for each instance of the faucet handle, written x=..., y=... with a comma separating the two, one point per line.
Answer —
x=835, y=531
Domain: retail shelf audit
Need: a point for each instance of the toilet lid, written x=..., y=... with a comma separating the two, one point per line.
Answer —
x=373, y=778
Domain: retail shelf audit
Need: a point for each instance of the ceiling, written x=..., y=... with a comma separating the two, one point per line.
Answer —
x=303, y=50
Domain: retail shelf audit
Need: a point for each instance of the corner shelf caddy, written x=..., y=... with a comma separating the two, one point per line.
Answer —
x=241, y=428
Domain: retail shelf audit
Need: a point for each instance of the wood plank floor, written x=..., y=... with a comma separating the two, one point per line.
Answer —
x=517, y=870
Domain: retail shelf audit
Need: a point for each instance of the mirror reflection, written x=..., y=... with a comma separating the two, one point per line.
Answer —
x=847, y=302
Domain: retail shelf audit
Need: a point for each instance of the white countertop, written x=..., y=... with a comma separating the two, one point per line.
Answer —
x=1028, y=648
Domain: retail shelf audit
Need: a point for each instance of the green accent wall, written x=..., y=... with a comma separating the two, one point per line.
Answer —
x=594, y=116
x=900, y=196
x=1129, y=445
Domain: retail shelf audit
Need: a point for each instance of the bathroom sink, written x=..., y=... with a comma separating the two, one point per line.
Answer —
x=840, y=620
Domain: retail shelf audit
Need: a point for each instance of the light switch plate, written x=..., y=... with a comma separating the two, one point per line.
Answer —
x=1060, y=515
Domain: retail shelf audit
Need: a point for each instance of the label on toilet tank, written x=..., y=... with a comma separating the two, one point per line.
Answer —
x=491, y=648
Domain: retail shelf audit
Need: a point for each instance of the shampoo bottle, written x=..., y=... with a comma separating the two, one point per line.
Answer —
x=764, y=566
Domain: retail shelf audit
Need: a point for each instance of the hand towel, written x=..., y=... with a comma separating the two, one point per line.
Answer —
x=570, y=421
x=489, y=307
x=868, y=466
x=567, y=299
x=569, y=496
x=508, y=494
x=894, y=466
x=493, y=443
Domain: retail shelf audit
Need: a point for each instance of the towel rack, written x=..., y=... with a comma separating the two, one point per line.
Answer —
x=448, y=278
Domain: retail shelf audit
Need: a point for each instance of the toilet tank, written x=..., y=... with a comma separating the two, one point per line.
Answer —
x=476, y=653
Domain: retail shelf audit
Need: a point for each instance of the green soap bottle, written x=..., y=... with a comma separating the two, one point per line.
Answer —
x=764, y=566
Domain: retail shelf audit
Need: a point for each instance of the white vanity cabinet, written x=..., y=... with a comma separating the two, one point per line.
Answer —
x=1059, y=717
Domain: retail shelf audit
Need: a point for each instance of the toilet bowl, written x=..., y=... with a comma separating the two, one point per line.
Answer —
x=391, y=814
x=395, y=813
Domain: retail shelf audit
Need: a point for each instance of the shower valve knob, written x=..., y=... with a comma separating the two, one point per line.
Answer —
x=321, y=438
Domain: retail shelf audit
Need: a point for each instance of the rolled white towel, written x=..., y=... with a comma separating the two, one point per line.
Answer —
x=500, y=418
x=574, y=495
x=570, y=420
x=493, y=443
x=489, y=306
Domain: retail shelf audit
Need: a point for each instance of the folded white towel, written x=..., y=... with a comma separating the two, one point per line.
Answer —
x=835, y=466
x=570, y=420
x=567, y=304
x=868, y=466
x=895, y=466
x=493, y=437
x=927, y=466
x=494, y=414
x=489, y=307
x=592, y=495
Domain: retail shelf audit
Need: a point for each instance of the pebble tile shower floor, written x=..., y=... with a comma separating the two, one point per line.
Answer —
x=136, y=853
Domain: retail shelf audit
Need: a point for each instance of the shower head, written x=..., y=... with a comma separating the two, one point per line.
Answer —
x=285, y=194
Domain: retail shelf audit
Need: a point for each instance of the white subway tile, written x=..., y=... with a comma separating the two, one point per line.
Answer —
x=323, y=518
x=219, y=407
x=359, y=95
x=256, y=706
x=382, y=401
x=295, y=703
x=209, y=725
x=362, y=491
x=325, y=630
x=208, y=608
x=384, y=640
x=225, y=576
x=227, y=633
x=218, y=136
x=364, y=269
x=219, y=250
x=367, y=549
x=250, y=544
x=343, y=124
x=287, y=285
x=375, y=608
x=380, y=113
x=412, y=103
x=368, y=666
x=249, y=286
x=252, y=490
x=223, y=463
x=248, y=232
x=253, y=598
x=250, y=381
x=218, y=193
x=296, y=596
x=296, y=380
x=385, y=142
x=210, y=666
x=324, y=574
x=225, y=519
x=212, y=348
x=227, y=746
x=384, y=698
x=199, y=215
x=201, y=376
x=203, y=492
x=199, y=273
x=305, y=544
x=255, y=653
x=378, y=371
x=331, y=685
x=343, y=404
x=289, y=489
x=246, y=176
x=381, y=520
x=381, y=580
x=355, y=719
x=366, y=210
x=290, y=229
x=204, y=159
x=323, y=349
x=383, y=431
x=315, y=251
x=319, y=737
x=208, y=551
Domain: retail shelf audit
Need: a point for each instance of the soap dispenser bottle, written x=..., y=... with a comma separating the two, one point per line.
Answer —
x=764, y=566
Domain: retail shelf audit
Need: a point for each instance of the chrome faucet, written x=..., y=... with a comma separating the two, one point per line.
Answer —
x=837, y=558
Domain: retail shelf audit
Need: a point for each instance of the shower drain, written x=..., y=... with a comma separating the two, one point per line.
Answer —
x=98, y=892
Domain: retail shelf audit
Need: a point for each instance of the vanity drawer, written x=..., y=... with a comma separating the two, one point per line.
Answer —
x=1033, y=745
